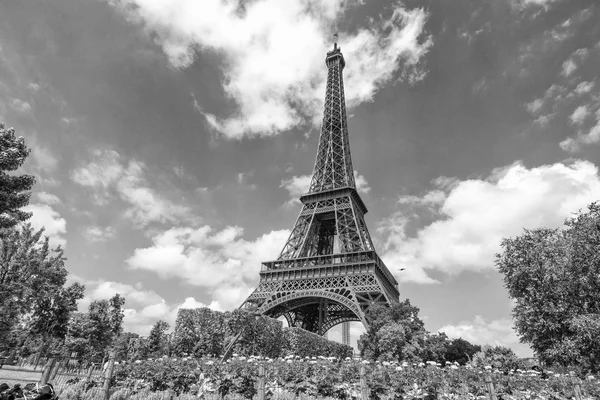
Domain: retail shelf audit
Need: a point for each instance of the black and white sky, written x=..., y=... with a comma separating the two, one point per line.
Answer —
x=172, y=138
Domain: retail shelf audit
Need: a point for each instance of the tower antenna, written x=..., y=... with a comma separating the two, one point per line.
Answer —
x=335, y=39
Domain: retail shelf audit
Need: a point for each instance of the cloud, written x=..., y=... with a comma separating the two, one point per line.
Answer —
x=48, y=198
x=20, y=106
x=222, y=261
x=521, y=4
x=584, y=87
x=474, y=215
x=46, y=217
x=99, y=234
x=498, y=332
x=573, y=62
x=272, y=53
x=107, y=173
x=579, y=115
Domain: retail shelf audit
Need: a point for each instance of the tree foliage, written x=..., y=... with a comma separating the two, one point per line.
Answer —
x=14, y=190
x=461, y=351
x=157, y=339
x=395, y=333
x=554, y=277
x=32, y=279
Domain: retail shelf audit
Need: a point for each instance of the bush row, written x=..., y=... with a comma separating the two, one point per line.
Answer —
x=204, y=332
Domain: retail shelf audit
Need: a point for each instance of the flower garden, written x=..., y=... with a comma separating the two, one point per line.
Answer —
x=293, y=377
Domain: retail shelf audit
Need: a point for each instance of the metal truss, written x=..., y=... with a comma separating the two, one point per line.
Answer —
x=333, y=166
x=328, y=271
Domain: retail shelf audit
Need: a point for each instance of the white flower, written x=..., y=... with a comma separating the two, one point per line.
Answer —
x=398, y=368
x=289, y=361
x=138, y=361
x=453, y=367
x=210, y=362
x=487, y=367
x=421, y=364
x=590, y=378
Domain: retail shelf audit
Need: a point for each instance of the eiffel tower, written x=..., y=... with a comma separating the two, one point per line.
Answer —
x=328, y=271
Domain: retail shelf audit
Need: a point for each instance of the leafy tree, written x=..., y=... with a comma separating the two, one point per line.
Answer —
x=50, y=316
x=461, y=351
x=32, y=279
x=498, y=357
x=395, y=332
x=14, y=190
x=435, y=347
x=105, y=324
x=199, y=331
x=157, y=340
x=554, y=277
x=125, y=346
x=77, y=338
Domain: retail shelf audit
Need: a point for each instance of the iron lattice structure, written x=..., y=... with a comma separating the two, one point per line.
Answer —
x=328, y=271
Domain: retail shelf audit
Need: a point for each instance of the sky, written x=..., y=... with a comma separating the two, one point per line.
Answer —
x=171, y=139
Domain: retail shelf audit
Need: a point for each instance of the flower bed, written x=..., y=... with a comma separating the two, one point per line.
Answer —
x=320, y=377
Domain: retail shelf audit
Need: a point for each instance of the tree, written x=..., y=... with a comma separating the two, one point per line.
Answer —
x=394, y=333
x=461, y=351
x=554, y=277
x=105, y=324
x=125, y=346
x=499, y=357
x=435, y=347
x=14, y=190
x=51, y=314
x=157, y=340
x=30, y=274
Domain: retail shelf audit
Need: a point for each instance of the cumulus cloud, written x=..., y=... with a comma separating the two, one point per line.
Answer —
x=273, y=53
x=222, y=261
x=474, y=215
x=107, y=173
x=494, y=333
x=44, y=216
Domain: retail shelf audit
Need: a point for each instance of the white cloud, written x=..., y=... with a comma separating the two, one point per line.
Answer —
x=584, y=87
x=534, y=106
x=108, y=173
x=98, y=234
x=568, y=67
x=579, y=115
x=273, y=53
x=222, y=261
x=48, y=198
x=494, y=333
x=574, y=144
x=476, y=214
x=46, y=217
x=573, y=62
x=21, y=106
